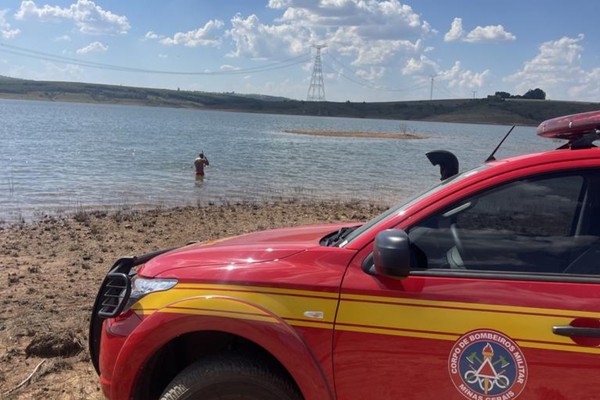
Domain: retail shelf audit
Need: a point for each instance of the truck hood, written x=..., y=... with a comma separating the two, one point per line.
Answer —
x=241, y=250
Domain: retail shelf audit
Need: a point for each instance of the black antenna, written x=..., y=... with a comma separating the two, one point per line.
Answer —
x=491, y=157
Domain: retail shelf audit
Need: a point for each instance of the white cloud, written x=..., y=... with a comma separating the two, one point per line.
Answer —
x=374, y=37
x=557, y=70
x=490, y=33
x=371, y=74
x=455, y=32
x=378, y=52
x=371, y=19
x=256, y=40
x=204, y=36
x=86, y=15
x=368, y=30
x=5, y=30
x=63, y=38
x=278, y=4
x=152, y=36
x=459, y=78
x=588, y=87
x=420, y=66
x=453, y=82
x=10, y=33
x=94, y=47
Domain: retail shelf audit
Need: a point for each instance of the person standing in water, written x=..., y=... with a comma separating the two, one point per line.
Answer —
x=199, y=163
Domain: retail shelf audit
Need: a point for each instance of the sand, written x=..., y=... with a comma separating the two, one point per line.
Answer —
x=360, y=134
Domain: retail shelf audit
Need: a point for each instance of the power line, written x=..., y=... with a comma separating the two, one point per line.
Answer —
x=359, y=81
x=317, y=85
x=19, y=51
x=366, y=83
x=448, y=93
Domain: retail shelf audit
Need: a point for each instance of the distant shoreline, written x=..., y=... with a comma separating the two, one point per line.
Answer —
x=82, y=99
x=359, y=134
x=490, y=110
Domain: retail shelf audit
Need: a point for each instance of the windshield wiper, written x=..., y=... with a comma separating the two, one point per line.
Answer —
x=339, y=236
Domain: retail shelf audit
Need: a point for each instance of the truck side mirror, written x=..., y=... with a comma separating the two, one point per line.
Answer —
x=391, y=253
x=446, y=160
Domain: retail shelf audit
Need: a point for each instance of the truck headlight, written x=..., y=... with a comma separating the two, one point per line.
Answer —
x=141, y=287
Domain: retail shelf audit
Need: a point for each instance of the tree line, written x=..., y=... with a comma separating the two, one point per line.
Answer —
x=532, y=94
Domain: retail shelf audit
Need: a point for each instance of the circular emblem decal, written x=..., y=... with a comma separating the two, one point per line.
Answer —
x=487, y=365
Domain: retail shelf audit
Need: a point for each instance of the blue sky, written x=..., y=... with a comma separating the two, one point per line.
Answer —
x=376, y=50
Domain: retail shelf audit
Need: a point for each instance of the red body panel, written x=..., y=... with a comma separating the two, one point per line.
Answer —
x=305, y=351
x=238, y=252
x=159, y=328
x=417, y=368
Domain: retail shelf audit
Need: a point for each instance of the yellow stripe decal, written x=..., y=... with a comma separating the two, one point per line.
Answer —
x=289, y=305
x=440, y=320
x=470, y=306
x=257, y=289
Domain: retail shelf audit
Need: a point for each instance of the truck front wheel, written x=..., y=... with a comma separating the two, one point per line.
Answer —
x=230, y=377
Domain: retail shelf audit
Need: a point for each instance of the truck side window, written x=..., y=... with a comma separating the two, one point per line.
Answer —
x=547, y=224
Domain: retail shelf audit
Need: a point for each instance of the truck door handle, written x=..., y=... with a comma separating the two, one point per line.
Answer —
x=568, y=330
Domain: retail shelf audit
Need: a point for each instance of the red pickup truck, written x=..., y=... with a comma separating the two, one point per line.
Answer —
x=485, y=287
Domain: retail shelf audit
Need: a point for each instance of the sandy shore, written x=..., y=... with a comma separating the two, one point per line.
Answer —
x=50, y=271
x=360, y=134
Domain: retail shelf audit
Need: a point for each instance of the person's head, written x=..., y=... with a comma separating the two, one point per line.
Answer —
x=201, y=155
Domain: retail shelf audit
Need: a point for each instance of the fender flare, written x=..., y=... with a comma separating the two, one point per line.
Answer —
x=222, y=314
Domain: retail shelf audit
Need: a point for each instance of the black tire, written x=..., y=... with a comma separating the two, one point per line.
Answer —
x=230, y=377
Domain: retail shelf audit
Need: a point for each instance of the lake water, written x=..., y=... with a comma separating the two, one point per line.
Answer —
x=57, y=157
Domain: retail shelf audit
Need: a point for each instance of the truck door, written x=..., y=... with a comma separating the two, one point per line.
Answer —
x=501, y=302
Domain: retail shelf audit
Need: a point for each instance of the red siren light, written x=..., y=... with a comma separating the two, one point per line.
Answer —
x=570, y=127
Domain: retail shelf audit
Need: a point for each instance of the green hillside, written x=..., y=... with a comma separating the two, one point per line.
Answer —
x=490, y=110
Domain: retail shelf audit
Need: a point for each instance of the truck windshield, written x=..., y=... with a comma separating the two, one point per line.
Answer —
x=399, y=208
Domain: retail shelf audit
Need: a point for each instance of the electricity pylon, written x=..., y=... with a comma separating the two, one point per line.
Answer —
x=316, y=89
